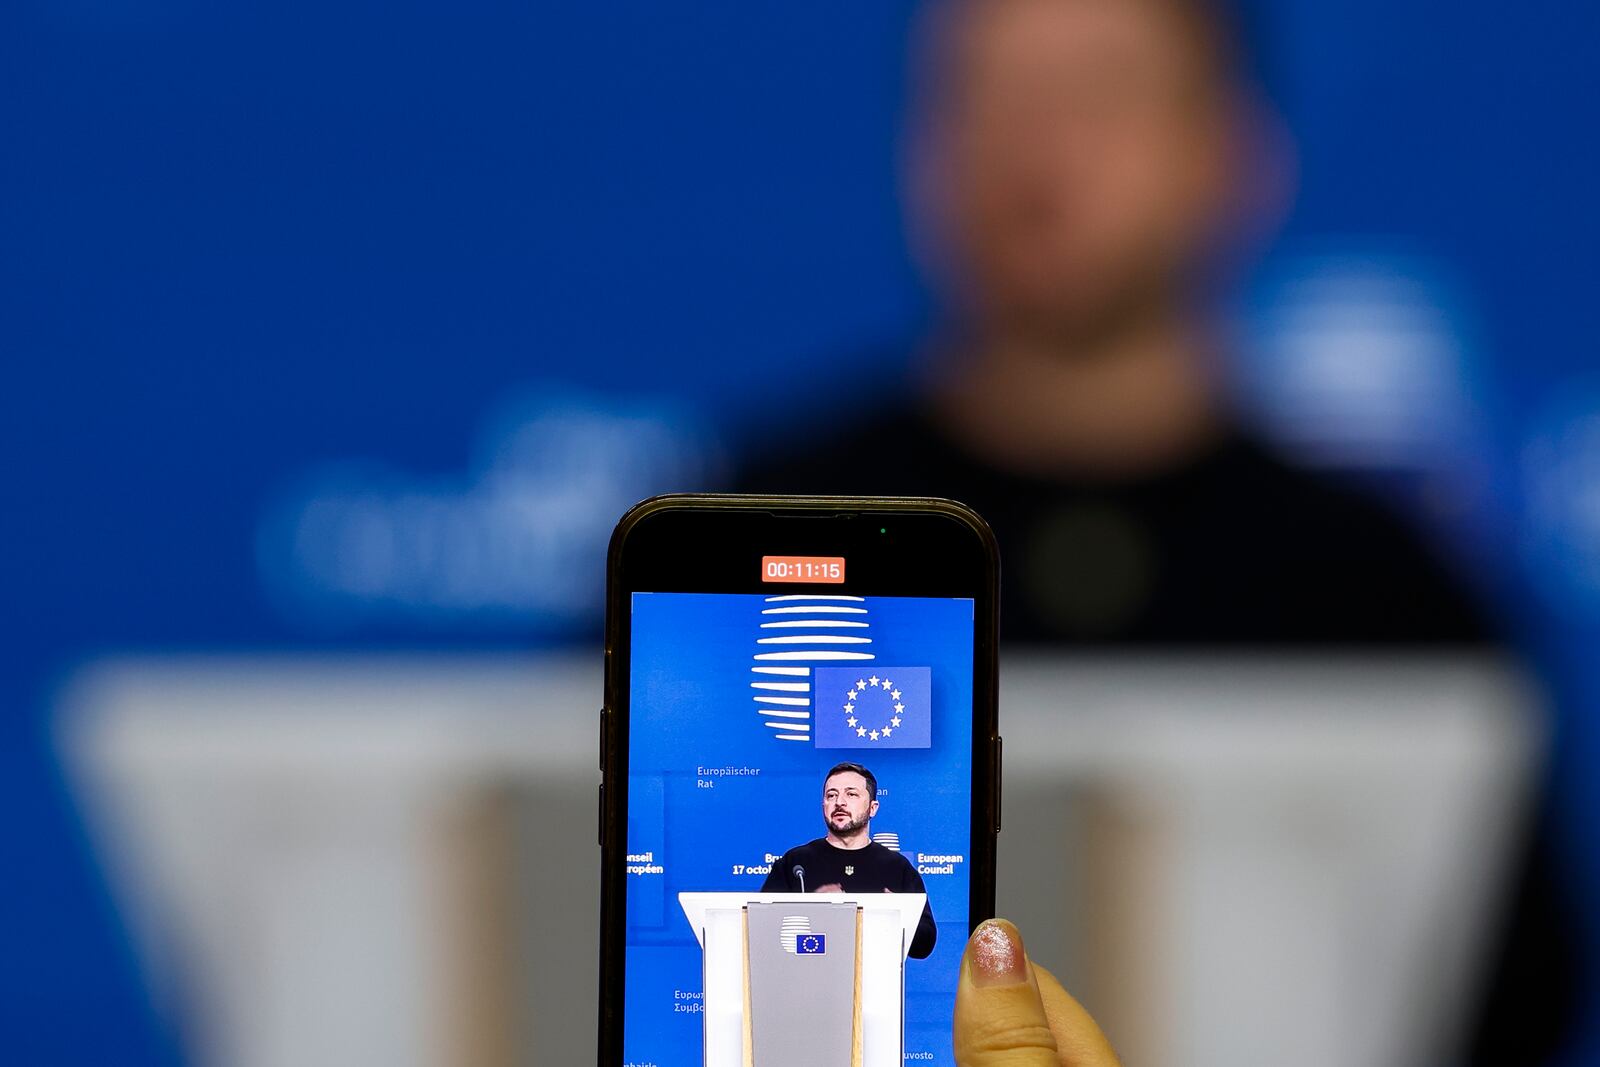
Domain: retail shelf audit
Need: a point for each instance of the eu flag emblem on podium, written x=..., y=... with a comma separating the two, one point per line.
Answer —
x=811, y=945
x=876, y=707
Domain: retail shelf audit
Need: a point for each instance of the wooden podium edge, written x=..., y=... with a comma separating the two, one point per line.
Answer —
x=749, y=1032
x=855, y=1020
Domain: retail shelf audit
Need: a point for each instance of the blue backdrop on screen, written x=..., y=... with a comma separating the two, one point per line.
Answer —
x=723, y=779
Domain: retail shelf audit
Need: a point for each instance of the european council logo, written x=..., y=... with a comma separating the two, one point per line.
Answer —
x=886, y=707
x=791, y=930
x=799, y=632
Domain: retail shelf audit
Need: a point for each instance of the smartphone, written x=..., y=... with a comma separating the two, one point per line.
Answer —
x=754, y=645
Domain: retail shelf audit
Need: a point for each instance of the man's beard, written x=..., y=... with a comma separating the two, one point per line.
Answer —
x=849, y=829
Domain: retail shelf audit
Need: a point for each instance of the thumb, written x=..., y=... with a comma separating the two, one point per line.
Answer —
x=1000, y=1019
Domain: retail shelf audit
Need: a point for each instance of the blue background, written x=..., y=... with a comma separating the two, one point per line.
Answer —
x=691, y=707
x=242, y=241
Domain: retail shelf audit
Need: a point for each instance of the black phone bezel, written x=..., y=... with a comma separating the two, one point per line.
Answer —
x=893, y=546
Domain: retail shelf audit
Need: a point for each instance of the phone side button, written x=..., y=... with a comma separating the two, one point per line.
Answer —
x=600, y=835
x=602, y=737
x=999, y=765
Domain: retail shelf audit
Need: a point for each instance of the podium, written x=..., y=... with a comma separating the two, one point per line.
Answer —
x=803, y=979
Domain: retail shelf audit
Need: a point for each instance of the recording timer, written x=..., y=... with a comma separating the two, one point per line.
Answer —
x=827, y=570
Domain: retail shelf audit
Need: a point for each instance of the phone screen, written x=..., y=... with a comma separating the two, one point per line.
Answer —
x=743, y=707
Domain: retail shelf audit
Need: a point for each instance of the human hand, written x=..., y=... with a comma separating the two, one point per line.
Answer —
x=831, y=887
x=1010, y=1012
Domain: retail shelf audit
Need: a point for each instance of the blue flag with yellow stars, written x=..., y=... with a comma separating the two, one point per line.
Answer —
x=877, y=707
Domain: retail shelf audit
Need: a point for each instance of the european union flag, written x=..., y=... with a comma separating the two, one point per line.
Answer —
x=811, y=944
x=873, y=707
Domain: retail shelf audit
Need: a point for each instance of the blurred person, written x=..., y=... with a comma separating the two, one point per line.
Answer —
x=1083, y=174
x=1080, y=170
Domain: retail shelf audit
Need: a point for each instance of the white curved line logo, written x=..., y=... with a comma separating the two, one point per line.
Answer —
x=791, y=930
x=797, y=632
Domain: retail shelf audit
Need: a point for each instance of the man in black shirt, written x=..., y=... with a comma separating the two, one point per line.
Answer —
x=1081, y=164
x=847, y=860
x=1083, y=172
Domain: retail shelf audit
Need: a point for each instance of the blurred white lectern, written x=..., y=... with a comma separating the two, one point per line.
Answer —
x=798, y=980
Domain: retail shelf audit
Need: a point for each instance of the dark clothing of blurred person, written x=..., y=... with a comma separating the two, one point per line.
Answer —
x=1228, y=546
x=1082, y=173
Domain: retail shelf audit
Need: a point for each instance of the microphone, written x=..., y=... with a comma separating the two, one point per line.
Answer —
x=800, y=873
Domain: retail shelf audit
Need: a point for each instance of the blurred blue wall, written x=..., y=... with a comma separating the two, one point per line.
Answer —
x=256, y=255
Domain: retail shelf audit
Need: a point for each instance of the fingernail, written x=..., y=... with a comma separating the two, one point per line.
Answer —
x=997, y=955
